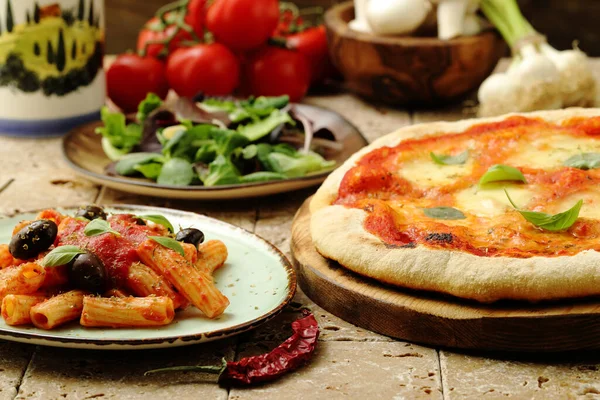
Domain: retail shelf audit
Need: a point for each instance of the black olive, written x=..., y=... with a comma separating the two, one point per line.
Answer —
x=190, y=235
x=91, y=212
x=33, y=239
x=87, y=272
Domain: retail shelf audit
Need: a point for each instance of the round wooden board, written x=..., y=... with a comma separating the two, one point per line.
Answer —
x=438, y=320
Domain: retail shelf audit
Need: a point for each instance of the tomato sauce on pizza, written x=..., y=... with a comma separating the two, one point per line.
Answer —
x=397, y=186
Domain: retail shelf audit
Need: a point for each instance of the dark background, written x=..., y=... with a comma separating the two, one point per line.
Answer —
x=562, y=21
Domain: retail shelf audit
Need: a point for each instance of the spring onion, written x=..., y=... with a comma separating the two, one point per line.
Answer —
x=540, y=77
x=457, y=18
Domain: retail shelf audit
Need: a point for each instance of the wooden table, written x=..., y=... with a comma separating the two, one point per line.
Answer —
x=350, y=362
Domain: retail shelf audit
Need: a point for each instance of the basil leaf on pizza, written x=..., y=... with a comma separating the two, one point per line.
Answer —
x=584, y=161
x=447, y=213
x=549, y=222
x=443, y=159
x=499, y=172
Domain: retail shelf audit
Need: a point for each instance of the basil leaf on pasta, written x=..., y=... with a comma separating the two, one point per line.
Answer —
x=549, y=222
x=61, y=255
x=158, y=219
x=447, y=213
x=169, y=243
x=98, y=227
x=443, y=159
x=501, y=172
x=584, y=161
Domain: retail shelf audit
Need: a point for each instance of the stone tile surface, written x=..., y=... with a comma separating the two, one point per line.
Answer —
x=463, y=110
x=372, y=121
x=39, y=177
x=476, y=377
x=77, y=374
x=14, y=358
x=347, y=370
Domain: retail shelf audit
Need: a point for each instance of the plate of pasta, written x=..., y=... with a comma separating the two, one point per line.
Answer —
x=134, y=277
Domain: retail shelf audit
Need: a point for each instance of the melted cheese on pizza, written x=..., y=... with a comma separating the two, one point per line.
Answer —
x=425, y=173
x=490, y=200
x=396, y=184
x=552, y=150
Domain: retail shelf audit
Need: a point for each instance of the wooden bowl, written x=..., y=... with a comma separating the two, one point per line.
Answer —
x=409, y=71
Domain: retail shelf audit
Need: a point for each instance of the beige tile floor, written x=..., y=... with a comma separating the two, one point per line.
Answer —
x=350, y=362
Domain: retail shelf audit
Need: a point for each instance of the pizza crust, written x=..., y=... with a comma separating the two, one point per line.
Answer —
x=338, y=234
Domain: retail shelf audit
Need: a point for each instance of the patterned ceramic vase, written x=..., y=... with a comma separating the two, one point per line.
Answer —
x=51, y=76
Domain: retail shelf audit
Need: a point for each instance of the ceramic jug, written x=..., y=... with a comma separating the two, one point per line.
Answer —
x=51, y=76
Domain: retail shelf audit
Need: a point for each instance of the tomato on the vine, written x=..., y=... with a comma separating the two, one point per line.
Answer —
x=154, y=30
x=242, y=25
x=195, y=16
x=288, y=23
x=208, y=68
x=312, y=43
x=131, y=77
x=274, y=71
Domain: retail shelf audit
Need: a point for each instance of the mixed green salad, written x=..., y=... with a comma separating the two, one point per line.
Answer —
x=214, y=141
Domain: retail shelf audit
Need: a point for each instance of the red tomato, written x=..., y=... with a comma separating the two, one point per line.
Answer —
x=274, y=71
x=196, y=13
x=313, y=44
x=209, y=68
x=154, y=30
x=242, y=24
x=131, y=77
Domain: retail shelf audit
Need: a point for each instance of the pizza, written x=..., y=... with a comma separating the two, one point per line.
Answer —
x=482, y=209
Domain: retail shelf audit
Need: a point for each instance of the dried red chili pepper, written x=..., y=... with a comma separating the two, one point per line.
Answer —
x=286, y=357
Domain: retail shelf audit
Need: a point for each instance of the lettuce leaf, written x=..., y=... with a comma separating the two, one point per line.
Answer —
x=259, y=129
x=149, y=104
x=300, y=165
x=220, y=172
x=122, y=136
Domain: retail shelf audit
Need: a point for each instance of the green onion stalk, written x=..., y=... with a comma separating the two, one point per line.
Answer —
x=540, y=77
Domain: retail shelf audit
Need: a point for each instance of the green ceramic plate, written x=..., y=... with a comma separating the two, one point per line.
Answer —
x=257, y=278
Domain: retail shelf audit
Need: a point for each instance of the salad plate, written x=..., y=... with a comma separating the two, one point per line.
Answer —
x=83, y=151
x=257, y=278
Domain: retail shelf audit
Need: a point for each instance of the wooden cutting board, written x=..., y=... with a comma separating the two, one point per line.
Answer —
x=438, y=320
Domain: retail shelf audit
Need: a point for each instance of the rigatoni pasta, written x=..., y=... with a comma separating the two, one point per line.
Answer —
x=6, y=259
x=197, y=286
x=143, y=281
x=127, y=312
x=190, y=252
x=16, y=308
x=114, y=271
x=211, y=256
x=58, y=310
x=115, y=293
x=21, y=279
x=51, y=215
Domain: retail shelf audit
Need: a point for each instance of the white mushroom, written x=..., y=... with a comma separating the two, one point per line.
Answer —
x=397, y=17
x=360, y=23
